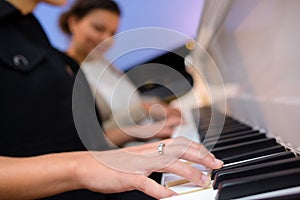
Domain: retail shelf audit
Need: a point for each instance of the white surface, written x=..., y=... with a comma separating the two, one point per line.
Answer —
x=210, y=194
x=207, y=194
x=257, y=49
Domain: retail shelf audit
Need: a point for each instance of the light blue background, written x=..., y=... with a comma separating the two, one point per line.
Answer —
x=179, y=15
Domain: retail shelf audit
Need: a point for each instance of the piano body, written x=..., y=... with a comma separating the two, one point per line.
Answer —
x=248, y=88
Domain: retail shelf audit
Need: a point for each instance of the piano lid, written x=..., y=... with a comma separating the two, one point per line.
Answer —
x=255, y=46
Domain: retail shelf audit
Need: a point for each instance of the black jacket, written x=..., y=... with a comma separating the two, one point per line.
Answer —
x=36, y=90
x=36, y=98
x=36, y=93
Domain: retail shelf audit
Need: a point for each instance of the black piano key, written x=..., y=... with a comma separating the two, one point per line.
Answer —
x=236, y=188
x=235, y=124
x=205, y=121
x=233, y=135
x=235, y=129
x=236, y=140
x=293, y=196
x=222, y=152
x=216, y=130
x=223, y=126
x=252, y=170
x=264, y=159
x=226, y=130
x=220, y=132
x=253, y=154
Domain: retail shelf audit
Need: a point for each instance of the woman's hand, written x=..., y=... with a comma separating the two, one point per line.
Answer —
x=155, y=130
x=106, y=172
x=161, y=110
x=127, y=169
x=163, y=129
x=160, y=129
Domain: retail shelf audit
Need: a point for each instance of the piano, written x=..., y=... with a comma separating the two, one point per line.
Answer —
x=245, y=102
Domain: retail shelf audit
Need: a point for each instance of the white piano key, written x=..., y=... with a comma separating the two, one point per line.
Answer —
x=210, y=194
x=186, y=188
x=207, y=194
x=277, y=193
x=168, y=178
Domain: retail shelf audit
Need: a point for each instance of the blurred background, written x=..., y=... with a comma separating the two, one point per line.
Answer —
x=178, y=15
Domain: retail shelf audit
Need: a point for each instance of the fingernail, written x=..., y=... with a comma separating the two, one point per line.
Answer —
x=219, y=162
x=205, y=180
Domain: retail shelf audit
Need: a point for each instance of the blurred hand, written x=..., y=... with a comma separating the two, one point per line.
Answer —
x=160, y=129
x=151, y=130
x=161, y=110
x=165, y=128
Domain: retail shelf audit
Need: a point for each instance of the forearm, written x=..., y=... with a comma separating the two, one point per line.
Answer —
x=36, y=177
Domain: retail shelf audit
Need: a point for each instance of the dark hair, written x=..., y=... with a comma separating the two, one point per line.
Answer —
x=81, y=8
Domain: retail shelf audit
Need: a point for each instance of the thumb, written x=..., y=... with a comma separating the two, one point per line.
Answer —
x=152, y=188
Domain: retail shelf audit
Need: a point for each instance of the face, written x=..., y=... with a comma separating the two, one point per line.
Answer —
x=96, y=27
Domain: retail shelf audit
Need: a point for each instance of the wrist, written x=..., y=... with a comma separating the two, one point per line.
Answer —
x=74, y=172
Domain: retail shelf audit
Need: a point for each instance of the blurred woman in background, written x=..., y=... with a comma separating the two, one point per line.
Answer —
x=126, y=114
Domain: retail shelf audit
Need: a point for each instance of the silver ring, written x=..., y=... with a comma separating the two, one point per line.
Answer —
x=160, y=148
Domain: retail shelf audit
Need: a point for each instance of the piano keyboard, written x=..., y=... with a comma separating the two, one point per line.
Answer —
x=255, y=165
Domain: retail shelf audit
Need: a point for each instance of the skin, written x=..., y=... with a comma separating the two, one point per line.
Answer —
x=42, y=176
x=162, y=129
x=106, y=171
x=97, y=26
x=160, y=110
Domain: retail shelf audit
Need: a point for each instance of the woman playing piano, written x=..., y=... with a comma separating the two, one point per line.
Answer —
x=41, y=153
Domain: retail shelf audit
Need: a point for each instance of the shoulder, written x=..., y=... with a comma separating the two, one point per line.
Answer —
x=22, y=48
x=7, y=10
